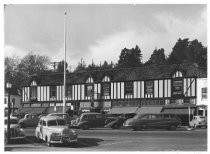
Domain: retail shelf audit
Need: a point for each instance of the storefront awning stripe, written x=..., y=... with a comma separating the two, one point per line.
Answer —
x=122, y=110
x=151, y=109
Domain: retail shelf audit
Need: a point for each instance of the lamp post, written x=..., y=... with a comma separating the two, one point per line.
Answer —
x=9, y=86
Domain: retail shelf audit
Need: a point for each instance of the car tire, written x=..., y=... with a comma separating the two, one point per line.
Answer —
x=38, y=137
x=48, y=142
x=115, y=126
x=173, y=127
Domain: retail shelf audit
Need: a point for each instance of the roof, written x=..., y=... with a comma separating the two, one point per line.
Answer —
x=123, y=74
x=51, y=118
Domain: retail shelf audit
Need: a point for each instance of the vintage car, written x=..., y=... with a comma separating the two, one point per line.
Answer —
x=15, y=130
x=198, y=121
x=63, y=115
x=89, y=120
x=117, y=122
x=148, y=121
x=54, y=129
x=29, y=120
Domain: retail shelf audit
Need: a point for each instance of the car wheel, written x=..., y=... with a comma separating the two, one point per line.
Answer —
x=135, y=128
x=22, y=125
x=85, y=127
x=115, y=126
x=172, y=127
x=47, y=141
x=38, y=137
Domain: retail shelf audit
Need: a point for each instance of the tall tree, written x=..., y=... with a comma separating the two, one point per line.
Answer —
x=130, y=58
x=179, y=52
x=60, y=67
x=158, y=57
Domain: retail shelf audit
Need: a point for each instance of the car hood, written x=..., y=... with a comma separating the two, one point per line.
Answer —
x=58, y=129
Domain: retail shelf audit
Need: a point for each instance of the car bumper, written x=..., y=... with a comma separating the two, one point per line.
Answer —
x=64, y=139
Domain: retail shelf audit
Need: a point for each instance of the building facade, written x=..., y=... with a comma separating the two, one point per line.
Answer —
x=118, y=89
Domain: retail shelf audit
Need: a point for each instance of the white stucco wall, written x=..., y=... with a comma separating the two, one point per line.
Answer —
x=201, y=83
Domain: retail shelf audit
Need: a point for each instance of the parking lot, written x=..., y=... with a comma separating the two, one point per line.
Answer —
x=106, y=139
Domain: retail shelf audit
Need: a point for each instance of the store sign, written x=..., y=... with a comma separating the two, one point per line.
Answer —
x=129, y=88
x=177, y=87
x=106, y=89
x=149, y=87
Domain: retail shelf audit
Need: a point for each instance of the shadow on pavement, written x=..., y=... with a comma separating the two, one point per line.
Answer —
x=82, y=142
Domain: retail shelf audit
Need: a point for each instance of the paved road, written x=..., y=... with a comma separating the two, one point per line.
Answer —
x=122, y=140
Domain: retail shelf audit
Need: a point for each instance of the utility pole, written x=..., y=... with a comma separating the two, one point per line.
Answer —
x=64, y=74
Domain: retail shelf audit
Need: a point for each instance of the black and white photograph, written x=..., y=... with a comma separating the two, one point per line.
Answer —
x=105, y=77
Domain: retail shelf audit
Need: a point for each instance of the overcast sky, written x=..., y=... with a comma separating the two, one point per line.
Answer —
x=100, y=32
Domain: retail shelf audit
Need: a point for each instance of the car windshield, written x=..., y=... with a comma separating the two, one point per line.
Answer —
x=56, y=122
x=12, y=121
x=137, y=116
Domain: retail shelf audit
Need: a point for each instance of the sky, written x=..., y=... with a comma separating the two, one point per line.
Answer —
x=98, y=32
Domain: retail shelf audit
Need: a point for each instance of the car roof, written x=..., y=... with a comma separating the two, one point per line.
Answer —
x=57, y=114
x=51, y=118
x=90, y=113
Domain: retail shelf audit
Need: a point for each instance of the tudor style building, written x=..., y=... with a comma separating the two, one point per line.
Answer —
x=119, y=90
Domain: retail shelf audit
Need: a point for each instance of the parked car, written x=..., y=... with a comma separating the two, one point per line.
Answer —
x=15, y=130
x=65, y=116
x=117, y=122
x=144, y=121
x=29, y=120
x=89, y=120
x=54, y=129
x=198, y=121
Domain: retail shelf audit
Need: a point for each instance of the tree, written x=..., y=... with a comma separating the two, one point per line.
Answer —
x=130, y=58
x=158, y=57
x=60, y=67
x=179, y=52
x=11, y=72
x=80, y=67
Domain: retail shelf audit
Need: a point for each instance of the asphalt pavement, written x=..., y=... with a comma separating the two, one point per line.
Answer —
x=106, y=139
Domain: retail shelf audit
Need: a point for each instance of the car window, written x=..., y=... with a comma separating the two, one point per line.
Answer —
x=44, y=123
x=145, y=117
x=40, y=122
x=52, y=123
x=98, y=116
x=85, y=117
x=91, y=116
x=166, y=116
x=61, y=122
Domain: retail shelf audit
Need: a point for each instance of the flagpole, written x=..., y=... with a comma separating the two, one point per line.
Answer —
x=64, y=69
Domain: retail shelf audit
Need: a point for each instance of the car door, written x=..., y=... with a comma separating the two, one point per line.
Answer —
x=44, y=129
x=155, y=121
x=100, y=120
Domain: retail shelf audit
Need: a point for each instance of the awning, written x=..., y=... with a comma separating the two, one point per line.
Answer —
x=183, y=111
x=121, y=110
x=57, y=109
x=24, y=110
x=151, y=109
x=38, y=110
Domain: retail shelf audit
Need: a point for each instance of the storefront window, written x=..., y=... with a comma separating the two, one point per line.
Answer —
x=53, y=91
x=204, y=93
x=69, y=91
x=33, y=92
x=105, y=89
x=128, y=88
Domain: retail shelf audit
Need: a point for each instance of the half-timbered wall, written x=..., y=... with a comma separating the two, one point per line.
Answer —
x=161, y=88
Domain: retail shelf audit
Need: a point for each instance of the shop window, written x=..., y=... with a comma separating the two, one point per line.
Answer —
x=204, y=93
x=89, y=90
x=128, y=88
x=177, y=87
x=33, y=92
x=69, y=91
x=149, y=87
x=53, y=91
x=105, y=89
